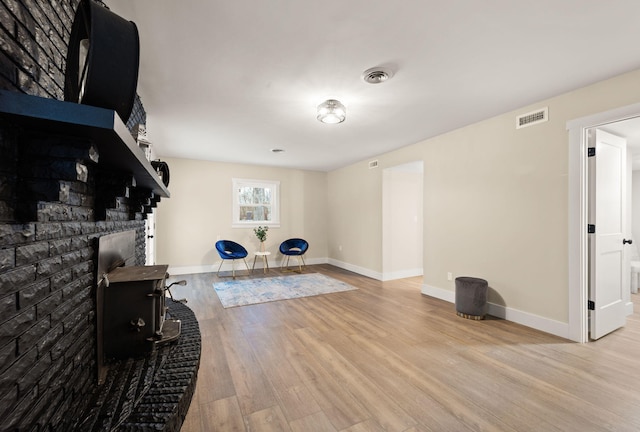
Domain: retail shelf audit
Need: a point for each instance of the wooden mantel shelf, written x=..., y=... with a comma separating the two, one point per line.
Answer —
x=117, y=148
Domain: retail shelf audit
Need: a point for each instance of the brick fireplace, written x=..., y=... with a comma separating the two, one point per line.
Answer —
x=62, y=187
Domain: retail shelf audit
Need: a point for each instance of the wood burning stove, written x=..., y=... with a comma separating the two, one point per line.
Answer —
x=131, y=308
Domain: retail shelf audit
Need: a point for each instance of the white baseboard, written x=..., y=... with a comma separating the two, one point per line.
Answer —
x=226, y=266
x=401, y=274
x=182, y=270
x=537, y=322
x=356, y=269
x=629, y=308
x=293, y=262
x=309, y=261
x=439, y=293
x=527, y=319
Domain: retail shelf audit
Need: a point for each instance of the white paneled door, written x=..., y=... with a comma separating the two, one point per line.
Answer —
x=150, y=239
x=608, y=276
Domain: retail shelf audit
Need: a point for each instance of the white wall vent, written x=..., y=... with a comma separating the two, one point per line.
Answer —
x=373, y=164
x=533, y=117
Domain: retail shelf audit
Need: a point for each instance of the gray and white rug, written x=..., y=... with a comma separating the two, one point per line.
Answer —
x=261, y=290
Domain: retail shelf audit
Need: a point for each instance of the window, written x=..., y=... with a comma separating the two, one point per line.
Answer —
x=255, y=202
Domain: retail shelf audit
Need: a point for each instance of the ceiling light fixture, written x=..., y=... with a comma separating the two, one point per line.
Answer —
x=377, y=75
x=331, y=111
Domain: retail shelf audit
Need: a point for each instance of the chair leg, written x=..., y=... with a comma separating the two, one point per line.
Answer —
x=286, y=266
x=247, y=265
x=233, y=268
x=304, y=264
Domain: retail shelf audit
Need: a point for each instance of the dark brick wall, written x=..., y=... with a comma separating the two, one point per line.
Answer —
x=51, y=214
x=33, y=45
x=47, y=329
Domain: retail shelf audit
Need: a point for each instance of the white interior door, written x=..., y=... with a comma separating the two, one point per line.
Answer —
x=150, y=241
x=607, y=212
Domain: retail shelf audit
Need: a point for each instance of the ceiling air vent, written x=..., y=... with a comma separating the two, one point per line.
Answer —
x=373, y=164
x=377, y=75
x=533, y=117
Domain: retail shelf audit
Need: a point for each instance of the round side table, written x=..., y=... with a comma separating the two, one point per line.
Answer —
x=265, y=260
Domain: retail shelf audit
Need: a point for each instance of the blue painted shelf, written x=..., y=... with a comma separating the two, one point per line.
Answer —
x=116, y=147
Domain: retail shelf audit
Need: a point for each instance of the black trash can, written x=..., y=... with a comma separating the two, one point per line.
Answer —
x=471, y=297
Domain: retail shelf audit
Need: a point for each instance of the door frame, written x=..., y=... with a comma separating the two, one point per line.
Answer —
x=578, y=214
x=388, y=233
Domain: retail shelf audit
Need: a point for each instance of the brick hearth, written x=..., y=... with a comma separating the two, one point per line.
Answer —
x=150, y=393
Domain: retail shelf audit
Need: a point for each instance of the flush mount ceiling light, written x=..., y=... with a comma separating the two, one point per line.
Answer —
x=331, y=111
x=377, y=75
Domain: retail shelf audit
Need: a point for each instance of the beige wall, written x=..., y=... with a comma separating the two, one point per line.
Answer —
x=495, y=202
x=355, y=217
x=495, y=205
x=402, y=221
x=199, y=210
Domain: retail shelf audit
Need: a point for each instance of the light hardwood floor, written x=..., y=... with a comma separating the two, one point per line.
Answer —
x=387, y=358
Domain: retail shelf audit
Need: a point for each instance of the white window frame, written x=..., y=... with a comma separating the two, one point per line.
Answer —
x=274, y=185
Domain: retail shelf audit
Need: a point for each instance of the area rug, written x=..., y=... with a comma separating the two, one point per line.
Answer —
x=261, y=290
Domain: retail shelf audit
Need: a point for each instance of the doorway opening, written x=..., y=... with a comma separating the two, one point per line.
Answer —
x=579, y=211
x=402, y=221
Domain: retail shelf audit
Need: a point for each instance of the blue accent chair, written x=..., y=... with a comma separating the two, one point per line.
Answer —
x=230, y=250
x=294, y=247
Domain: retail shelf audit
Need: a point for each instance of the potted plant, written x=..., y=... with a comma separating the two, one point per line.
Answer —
x=261, y=233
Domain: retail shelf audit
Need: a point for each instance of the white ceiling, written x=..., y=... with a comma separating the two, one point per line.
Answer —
x=231, y=80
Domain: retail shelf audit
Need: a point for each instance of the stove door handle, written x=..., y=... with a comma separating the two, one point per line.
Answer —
x=137, y=324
